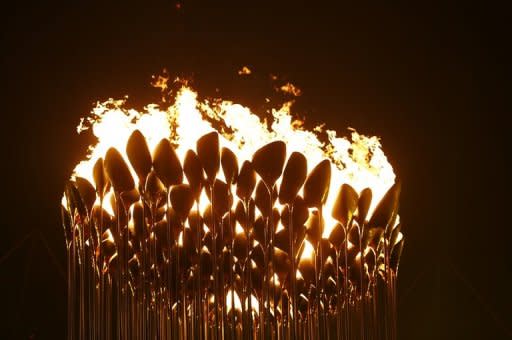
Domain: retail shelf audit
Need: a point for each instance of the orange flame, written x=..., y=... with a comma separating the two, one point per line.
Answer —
x=358, y=160
x=289, y=88
x=244, y=71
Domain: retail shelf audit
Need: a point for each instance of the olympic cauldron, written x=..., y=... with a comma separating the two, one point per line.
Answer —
x=207, y=246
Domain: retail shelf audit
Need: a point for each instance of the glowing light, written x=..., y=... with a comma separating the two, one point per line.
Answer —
x=291, y=89
x=357, y=160
x=244, y=71
x=183, y=118
x=308, y=252
x=238, y=304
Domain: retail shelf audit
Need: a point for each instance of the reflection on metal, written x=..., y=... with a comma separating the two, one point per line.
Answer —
x=153, y=260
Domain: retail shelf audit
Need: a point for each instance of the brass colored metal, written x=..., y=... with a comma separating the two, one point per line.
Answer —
x=145, y=263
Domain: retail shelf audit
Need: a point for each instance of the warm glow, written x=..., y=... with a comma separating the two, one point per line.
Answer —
x=238, y=228
x=291, y=89
x=358, y=160
x=308, y=252
x=244, y=71
x=181, y=253
x=238, y=304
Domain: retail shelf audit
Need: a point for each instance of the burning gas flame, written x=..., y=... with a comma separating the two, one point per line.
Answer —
x=327, y=250
x=357, y=160
x=244, y=71
x=291, y=89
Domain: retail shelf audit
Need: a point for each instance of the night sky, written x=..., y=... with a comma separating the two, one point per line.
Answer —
x=432, y=82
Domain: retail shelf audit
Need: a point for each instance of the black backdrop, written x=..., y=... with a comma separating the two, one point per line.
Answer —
x=430, y=81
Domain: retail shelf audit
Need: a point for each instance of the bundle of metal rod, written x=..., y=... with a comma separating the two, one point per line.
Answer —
x=152, y=261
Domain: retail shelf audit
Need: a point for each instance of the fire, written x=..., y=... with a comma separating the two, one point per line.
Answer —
x=291, y=89
x=236, y=298
x=190, y=249
x=308, y=252
x=244, y=71
x=357, y=160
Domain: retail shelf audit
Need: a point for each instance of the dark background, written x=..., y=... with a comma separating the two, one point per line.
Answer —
x=431, y=81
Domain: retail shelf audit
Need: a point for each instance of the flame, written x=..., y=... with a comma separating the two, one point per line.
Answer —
x=238, y=228
x=308, y=252
x=161, y=81
x=238, y=303
x=255, y=304
x=110, y=237
x=289, y=88
x=180, y=239
x=357, y=160
x=244, y=71
x=107, y=203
